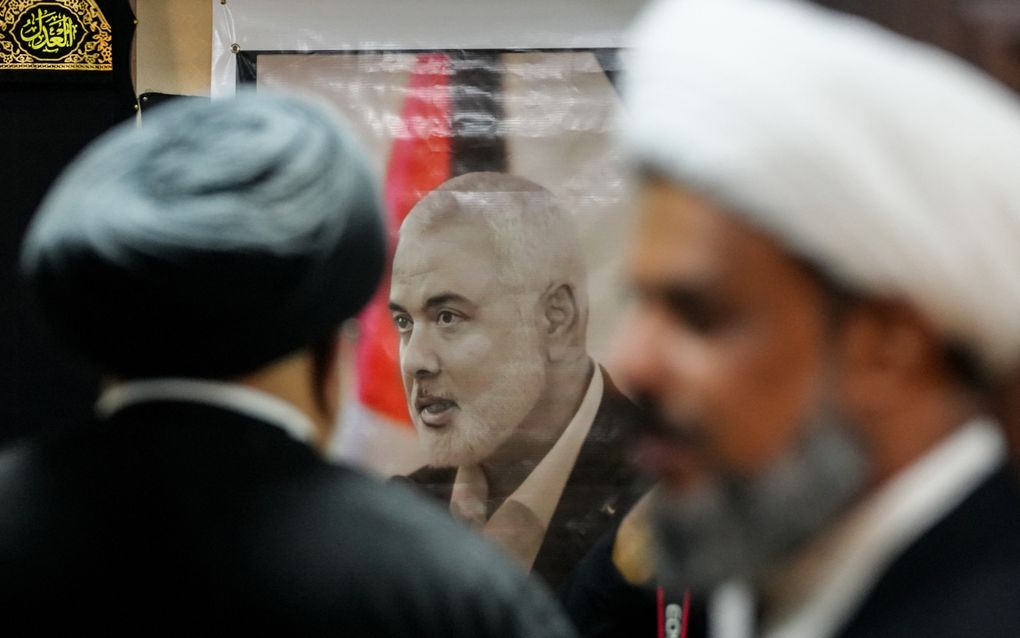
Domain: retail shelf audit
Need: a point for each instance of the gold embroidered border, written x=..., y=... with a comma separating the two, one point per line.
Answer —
x=93, y=52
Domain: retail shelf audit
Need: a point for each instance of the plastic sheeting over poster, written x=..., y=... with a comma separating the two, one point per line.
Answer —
x=434, y=90
x=325, y=25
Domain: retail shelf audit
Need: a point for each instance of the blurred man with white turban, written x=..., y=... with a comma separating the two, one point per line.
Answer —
x=205, y=262
x=827, y=279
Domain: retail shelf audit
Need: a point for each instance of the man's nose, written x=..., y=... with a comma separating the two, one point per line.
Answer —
x=418, y=357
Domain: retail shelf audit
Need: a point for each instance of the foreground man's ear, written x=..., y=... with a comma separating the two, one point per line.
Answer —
x=897, y=384
x=886, y=349
x=330, y=390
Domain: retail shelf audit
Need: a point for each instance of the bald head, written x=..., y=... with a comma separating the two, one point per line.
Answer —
x=533, y=240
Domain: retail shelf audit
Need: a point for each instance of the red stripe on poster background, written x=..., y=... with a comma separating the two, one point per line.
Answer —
x=419, y=162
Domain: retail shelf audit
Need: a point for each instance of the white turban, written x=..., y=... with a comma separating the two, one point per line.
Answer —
x=890, y=164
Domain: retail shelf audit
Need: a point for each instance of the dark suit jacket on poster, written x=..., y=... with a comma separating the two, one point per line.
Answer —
x=961, y=578
x=177, y=518
x=600, y=489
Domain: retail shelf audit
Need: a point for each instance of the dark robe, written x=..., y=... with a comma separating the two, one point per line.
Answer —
x=177, y=518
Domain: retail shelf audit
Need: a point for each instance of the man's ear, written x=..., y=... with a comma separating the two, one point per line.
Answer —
x=327, y=360
x=887, y=352
x=333, y=379
x=561, y=318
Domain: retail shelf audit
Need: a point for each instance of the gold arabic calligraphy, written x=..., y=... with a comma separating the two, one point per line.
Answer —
x=48, y=31
x=54, y=35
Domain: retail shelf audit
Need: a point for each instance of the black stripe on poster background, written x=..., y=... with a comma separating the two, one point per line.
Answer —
x=478, y=142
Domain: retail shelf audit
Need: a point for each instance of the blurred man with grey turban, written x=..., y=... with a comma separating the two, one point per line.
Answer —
x=827, y=278
x=205, y=262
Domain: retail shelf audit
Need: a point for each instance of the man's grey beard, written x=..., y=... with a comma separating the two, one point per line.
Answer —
x=745, y=527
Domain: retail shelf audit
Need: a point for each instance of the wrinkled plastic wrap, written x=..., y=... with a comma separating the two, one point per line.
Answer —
x=434, y=90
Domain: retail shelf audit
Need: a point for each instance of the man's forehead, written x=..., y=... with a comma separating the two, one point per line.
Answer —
x=677, y=231
x=442, y=261
x=684, y=237
x=440, y=230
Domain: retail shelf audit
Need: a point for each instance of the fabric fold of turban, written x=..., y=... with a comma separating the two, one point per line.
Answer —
x=214, y=239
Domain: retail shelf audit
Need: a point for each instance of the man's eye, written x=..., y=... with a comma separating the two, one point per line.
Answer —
x=704, y=320
x=402, y=322
x=697, y=313
x=446, y=318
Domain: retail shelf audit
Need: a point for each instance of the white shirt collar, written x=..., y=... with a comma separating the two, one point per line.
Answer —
x=231, y=396
x=848, y=561
x=541, y=490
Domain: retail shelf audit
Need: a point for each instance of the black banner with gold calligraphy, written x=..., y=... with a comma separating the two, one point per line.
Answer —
x=41, y=40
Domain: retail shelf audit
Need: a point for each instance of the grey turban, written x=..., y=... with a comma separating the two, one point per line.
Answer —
x=888, y=163
x=212, y=240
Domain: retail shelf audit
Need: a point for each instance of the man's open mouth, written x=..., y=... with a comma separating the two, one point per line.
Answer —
x=435, y=411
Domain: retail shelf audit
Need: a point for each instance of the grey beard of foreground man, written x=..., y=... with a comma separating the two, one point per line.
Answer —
x=738, y=525
x=523, y=431
x=825, y=266
x=205, y=262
